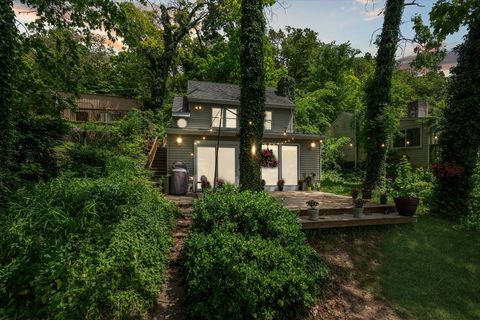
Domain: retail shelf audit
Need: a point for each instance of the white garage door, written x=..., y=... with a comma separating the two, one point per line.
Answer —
x=290, y=165
x=270, y=175
x=205, y=163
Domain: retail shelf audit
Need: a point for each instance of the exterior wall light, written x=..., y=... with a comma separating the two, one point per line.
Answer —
x=179, y=140
x=383, y=145
x=312, y=145
x=254, y=150
x=351, y=144
x=203, y=138
x=198, y=107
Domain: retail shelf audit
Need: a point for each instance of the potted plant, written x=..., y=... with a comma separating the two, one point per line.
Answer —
x=366, y=193
x=309, y=183
x=280, y=184
x=263, y=183
x=383, y=198
x=404, y=190
x=357, y=209
x=355, y=193
x=312, y=210
x=300, y=184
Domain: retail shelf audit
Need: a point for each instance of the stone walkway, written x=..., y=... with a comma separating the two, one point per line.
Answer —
x=170, y=302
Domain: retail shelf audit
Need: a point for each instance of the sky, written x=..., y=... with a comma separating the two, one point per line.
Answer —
x=349, y=20
x=341, y=21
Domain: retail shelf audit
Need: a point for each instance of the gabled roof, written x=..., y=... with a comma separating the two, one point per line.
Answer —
x=224, y=93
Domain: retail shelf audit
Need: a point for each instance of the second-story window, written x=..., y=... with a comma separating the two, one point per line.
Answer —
x=268, y=120
x=225, y=118
x=230, y=118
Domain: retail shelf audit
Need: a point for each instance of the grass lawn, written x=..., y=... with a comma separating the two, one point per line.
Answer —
x=426, y=270
x=432, y=271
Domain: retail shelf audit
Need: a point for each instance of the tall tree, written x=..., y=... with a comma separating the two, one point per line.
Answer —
x=377, y=126
x=7, y=46
x=156, y=33
x=460, y=121
x=252, y=95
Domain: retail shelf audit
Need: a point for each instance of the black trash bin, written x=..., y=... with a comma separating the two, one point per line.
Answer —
x=179, y=179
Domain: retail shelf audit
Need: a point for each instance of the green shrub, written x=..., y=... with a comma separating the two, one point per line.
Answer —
x=247, y=254
x=88, y=161
x=84, y=249
x=248, y=213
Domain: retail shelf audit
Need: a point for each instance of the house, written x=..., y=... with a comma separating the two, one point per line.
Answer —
x=415, y=138
x=99, y=107
x=209, y=114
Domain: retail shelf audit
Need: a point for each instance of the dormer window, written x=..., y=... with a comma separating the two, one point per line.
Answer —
x=224, y=117
x=268, y=120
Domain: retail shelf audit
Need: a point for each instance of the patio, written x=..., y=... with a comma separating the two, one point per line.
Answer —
x=335, y=210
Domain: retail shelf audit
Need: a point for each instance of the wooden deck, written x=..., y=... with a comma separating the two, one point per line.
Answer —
x=335, y=210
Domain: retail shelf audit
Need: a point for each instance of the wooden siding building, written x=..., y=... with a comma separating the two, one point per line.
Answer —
x=209, y=114
x=101, y=108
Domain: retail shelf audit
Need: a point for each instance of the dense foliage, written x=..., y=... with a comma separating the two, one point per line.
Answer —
x=80, y=248
x=252, y=93
x=248, y=255
x=460, y=126
x=92, y=243
x=378, y=127
x=7, y=47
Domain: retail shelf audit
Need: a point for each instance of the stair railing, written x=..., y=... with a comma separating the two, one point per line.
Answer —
x=152, y=153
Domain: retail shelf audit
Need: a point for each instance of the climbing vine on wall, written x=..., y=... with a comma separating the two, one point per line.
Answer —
x=252, y=93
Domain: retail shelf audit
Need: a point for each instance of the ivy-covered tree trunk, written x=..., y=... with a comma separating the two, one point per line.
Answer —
x=379, y=95
x=252, y=97
x=460, y=135
x=7, y=45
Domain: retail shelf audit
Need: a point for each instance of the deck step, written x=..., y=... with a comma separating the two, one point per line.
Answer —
x=347, y=220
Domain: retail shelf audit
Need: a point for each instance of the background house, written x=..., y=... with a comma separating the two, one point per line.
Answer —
x=99, y=107
x=415, y=139
x=208, y=115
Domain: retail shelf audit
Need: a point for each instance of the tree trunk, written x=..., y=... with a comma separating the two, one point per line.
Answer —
x=7, y=45
x=252, y=96
x=377, y=129
x=160, y=68
x=460, y=135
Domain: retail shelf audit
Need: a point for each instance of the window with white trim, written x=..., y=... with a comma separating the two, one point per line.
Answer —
x=407, y=138
x=216, y=117
x=268, y=120
x=225, y=118
x=231, y=118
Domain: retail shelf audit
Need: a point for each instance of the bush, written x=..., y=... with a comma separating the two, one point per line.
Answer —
x=88, y=161
x=84, y=249
x=247, y=254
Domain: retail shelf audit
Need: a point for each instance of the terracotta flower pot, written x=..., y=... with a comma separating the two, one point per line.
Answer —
x=406, y=206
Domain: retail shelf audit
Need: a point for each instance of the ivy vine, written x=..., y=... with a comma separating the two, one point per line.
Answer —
x=460, y=130
x=252, y=94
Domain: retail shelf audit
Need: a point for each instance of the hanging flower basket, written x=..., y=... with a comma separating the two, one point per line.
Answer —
x=268, y=159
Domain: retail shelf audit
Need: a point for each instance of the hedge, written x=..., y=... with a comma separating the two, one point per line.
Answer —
x=247, y=254
x=84, y=249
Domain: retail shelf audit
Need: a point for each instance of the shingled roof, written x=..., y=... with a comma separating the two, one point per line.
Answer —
x=224, y=93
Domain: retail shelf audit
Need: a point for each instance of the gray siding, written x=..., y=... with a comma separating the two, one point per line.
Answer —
x=418, y=156
x=202, y=119
x=281, y=119
x=309, y=161
x=180, y=153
